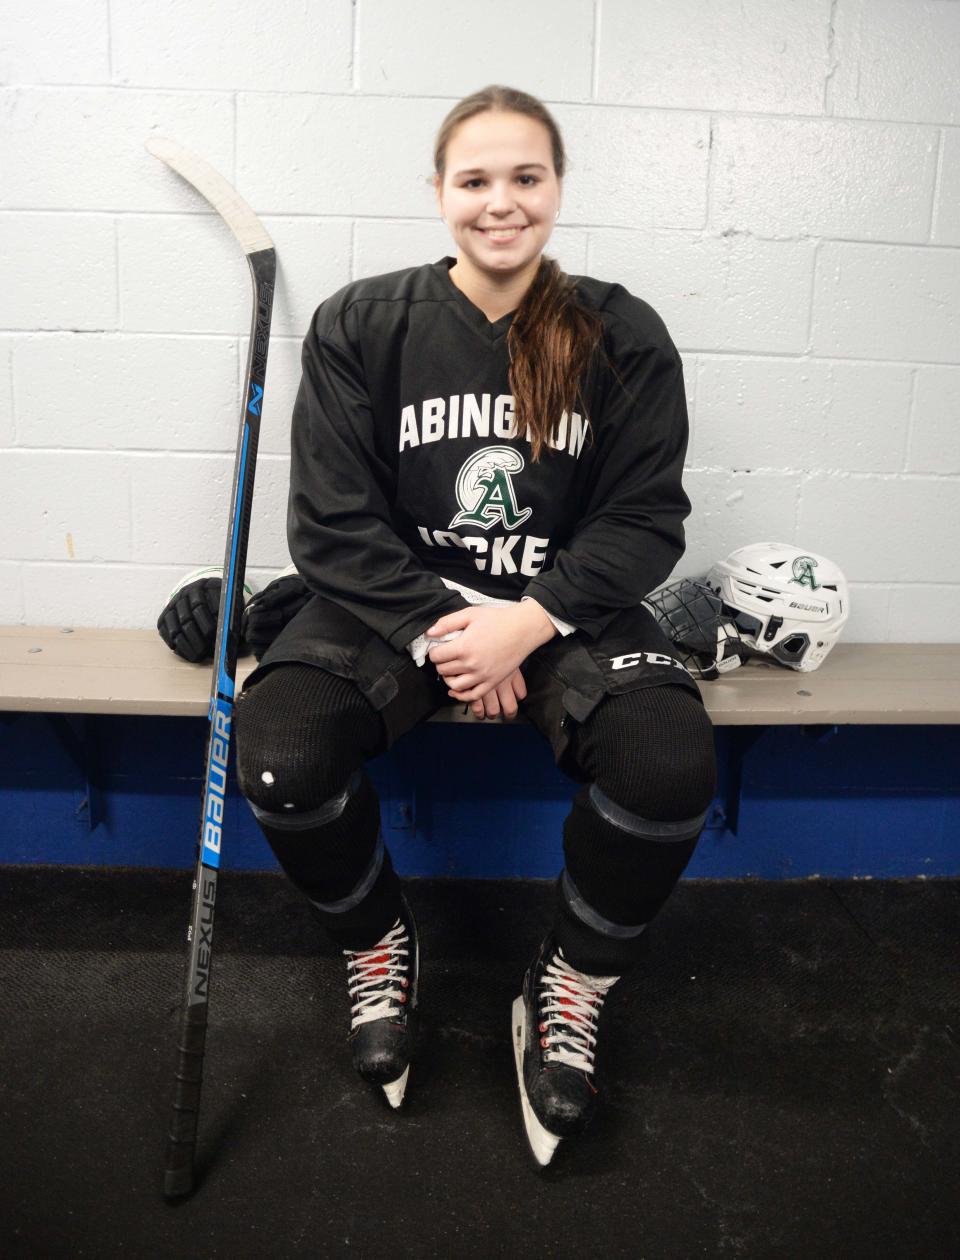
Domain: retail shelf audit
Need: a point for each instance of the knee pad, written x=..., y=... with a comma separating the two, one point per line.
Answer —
x=291, y=819
x=301, y=731
x=652, y=752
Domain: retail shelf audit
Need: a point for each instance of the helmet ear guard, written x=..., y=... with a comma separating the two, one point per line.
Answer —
x=703, y=634
x=788, y=604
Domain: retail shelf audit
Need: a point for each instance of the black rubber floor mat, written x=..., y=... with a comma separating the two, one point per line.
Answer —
x=782, y=1079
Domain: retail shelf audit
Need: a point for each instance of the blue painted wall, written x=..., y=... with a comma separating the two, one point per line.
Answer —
x=487, y=801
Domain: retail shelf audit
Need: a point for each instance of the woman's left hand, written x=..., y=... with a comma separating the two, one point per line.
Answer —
x=494, y=642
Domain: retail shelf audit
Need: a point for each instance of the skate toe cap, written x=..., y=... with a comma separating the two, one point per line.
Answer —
x=564, y=1104
x=383, y=1067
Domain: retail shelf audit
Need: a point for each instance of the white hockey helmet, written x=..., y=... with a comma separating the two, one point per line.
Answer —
x=788, y=603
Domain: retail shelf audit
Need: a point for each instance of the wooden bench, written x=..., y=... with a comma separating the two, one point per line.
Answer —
x=49, y=669
x=67, y=674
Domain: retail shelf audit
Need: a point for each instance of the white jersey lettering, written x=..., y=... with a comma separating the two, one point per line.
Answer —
x=503, y=416
x=476, y=416
x=469, y=415
x=534, y=554
x=408, y=428
x=433, y=420
x=502, y=561
x=453, y=418
x=495, y=555
x=479, y=545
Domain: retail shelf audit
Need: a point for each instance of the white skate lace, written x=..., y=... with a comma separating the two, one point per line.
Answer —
x=569, y=1005
x=377, y=977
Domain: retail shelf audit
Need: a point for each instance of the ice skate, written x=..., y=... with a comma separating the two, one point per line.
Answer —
x=554, y=1041
x=382, y=983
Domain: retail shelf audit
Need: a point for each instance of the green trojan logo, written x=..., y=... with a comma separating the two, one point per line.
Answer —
x=803, y=574
x=485, y=489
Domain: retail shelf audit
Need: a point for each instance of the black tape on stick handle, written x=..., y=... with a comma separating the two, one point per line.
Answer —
x=182, y=1139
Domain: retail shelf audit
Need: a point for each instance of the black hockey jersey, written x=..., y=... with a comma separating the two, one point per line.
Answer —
x=406, y=466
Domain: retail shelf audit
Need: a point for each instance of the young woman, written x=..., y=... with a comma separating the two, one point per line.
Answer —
x=485, y=482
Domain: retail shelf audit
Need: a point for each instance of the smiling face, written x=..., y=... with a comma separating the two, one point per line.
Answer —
x=499, y=174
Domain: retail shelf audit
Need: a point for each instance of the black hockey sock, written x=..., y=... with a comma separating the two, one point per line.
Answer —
x=592, y=952
x=302, y=732
x=368, y=922
x=342, y=866
x=614, y=883
x=654, y=747
x=651, y=748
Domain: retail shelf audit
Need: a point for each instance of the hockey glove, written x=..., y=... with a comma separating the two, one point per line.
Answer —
x=269, y=610
x=188, y=623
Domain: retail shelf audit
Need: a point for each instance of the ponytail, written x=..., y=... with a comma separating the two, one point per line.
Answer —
x=553, y=336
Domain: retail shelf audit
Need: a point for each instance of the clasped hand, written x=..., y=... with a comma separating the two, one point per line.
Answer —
x=481, y=665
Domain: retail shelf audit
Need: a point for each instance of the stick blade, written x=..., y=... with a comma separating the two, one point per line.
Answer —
x=211, y=185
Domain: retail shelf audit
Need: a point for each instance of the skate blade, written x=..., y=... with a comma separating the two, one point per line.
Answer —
x=395, y=1090
x=542, y=1143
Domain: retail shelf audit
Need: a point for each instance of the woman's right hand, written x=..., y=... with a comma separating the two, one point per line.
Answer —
x=501, y=699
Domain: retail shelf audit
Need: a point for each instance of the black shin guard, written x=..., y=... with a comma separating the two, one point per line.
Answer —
x=336, y=856
x=653, y=749
x=301, y=733
x=620, y=870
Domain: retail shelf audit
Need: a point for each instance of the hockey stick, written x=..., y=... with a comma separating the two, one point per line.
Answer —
x=260, y=254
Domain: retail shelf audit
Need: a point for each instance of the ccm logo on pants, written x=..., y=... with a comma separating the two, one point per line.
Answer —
x=637, y=658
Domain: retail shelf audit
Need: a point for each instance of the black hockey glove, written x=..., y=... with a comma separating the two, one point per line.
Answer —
x=188, y=623
x=269, y=610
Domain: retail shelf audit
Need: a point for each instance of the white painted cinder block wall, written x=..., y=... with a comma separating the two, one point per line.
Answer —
x=780, y=180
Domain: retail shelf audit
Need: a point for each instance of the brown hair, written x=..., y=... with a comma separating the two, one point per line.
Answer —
x=552, y=336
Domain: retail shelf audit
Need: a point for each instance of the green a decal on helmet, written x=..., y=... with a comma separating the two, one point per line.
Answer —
x=803, y=567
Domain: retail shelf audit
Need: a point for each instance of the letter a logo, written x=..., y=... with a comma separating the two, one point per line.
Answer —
x=803, y=567
x=485, y=489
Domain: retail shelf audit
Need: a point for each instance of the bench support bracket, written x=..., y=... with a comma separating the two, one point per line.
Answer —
x=75, y=734
x=741, y=740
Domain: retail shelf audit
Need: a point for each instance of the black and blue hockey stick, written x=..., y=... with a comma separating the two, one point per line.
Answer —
x=261, y=256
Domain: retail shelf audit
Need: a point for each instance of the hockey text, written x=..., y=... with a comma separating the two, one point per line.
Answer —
x=509, y=553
